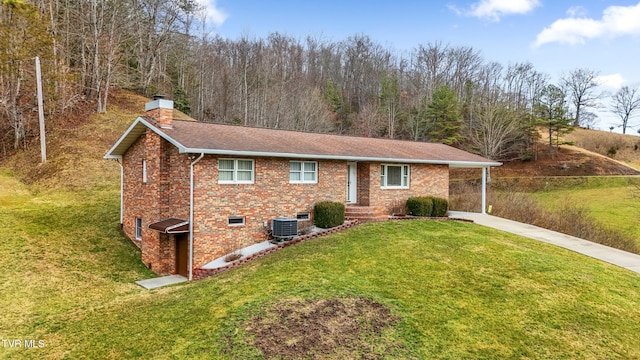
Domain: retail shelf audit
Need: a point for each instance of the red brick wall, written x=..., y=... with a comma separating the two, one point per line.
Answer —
x=271, y=195
x=165, y=194
x=424, y=180
x=364, y=183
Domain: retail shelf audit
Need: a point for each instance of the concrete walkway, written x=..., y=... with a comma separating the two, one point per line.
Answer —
x=161, y=281
x=247, y=251
x=608, y=254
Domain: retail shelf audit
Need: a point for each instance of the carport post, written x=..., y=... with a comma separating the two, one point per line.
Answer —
x=484, y=190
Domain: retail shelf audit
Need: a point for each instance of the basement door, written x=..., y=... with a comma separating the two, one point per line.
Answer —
x=182, y=254
x=352, y=183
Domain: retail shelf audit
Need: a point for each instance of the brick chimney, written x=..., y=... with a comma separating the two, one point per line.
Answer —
x=161, y=110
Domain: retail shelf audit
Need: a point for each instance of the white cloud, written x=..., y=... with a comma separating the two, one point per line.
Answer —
x=614, y=80
x=577, y=11
x=213, y=13
x=495, y=9
x=616, y=21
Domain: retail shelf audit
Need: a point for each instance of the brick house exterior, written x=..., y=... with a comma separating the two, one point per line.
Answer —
x=192, y=192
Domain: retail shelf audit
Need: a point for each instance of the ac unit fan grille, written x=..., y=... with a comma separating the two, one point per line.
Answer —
x=284, y=228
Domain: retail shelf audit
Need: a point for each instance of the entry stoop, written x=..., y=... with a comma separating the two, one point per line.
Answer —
x=365, y=213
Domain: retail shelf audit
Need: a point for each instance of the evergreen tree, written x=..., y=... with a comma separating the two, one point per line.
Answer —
x=444, y=114
x=339, y=110
x=551, y=112
x=181, y=100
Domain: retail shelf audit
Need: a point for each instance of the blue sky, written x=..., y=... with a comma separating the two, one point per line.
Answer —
x=556, y=36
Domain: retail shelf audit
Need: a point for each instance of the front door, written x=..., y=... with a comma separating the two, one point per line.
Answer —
x=352, y=183
x=182, y=254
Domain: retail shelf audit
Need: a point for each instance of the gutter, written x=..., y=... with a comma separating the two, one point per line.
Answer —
x=191, y=190
x=452, y=163
x=119, y=161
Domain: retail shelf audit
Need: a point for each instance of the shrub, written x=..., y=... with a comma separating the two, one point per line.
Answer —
x=440, y=207
x=420, y=206
x=328, y=214
x=305, y=227
x=526, y=155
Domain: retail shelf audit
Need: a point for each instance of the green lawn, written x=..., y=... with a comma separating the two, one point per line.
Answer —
x=617, y=207
x=458, y=290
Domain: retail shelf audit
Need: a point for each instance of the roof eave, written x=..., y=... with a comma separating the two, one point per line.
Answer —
x=474, y=164
x=462, y=164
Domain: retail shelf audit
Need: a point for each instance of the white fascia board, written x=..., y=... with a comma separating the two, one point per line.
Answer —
x=469, y=164
x=109, y=154
x=140, y=121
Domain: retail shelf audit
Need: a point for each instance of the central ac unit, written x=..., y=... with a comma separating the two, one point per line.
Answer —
x=284, y=228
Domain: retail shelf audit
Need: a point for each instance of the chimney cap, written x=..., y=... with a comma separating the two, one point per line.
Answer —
x=158, y=104
x=159, y=97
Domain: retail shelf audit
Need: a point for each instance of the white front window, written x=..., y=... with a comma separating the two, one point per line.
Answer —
x=394, y=176
x=235, y=171
x=303, y=172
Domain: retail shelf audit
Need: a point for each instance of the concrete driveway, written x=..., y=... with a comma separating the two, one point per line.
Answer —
x=608, y=254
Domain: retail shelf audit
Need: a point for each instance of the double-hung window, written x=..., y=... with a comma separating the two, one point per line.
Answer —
x=394, y=176
x=303, y=172
x=235, y=171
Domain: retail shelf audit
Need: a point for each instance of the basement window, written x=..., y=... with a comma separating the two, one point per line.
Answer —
x=303, y=216
x=236, y=220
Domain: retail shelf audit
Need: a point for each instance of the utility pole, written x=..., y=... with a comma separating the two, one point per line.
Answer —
x=43, y=139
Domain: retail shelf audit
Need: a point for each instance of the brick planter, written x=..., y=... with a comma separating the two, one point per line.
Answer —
x=201, y=273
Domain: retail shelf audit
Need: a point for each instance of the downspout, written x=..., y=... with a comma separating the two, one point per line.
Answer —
x=484, y=190
x=191, y=185
x=121, y=192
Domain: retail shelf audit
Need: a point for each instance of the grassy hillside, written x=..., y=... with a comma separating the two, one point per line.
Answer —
x=74, y=153
x=616, y=207
x=624, y=148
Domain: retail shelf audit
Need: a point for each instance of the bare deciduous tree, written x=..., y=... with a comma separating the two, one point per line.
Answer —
x=23, y=35
x=625, y=104
x=580, y=86
x=496, y=133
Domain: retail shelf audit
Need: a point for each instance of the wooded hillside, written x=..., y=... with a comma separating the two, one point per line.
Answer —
x=436, y=92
